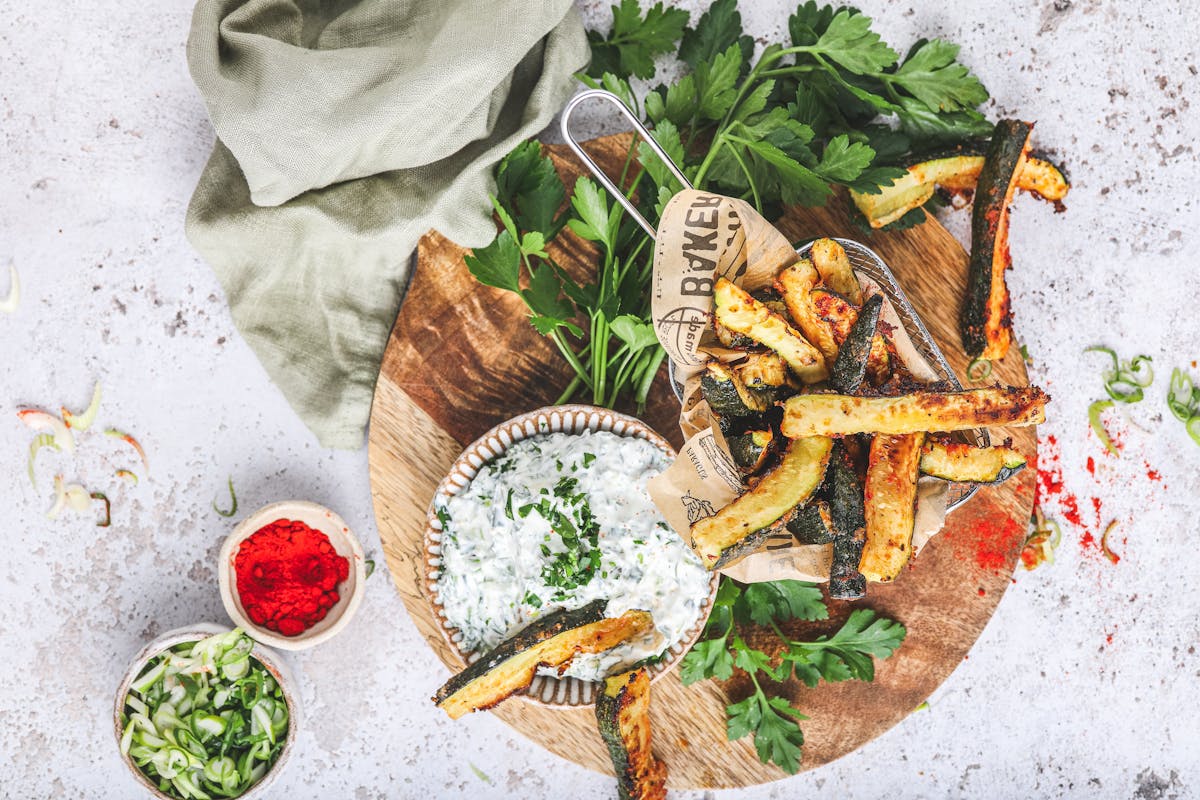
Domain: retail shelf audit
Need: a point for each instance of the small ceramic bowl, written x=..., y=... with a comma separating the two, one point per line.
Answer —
x=548, y=691
x=194, y=633
x=350, y=591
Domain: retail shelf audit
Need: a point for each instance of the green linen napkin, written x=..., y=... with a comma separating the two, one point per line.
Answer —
x=347, y=129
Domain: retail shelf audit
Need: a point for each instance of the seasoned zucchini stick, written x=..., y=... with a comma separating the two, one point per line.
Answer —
x=551, y=641
x=958, y=461
x=986, y=320
x=833, y=264
x=623, y=717
x=850, y=368
x=742, y=526
x=738, y=312
x=836, y=414
x=796, y=284
x=849, y=524
x=890, y=502
x=729, y=396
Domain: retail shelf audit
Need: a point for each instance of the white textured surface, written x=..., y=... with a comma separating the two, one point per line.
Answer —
x=1084, y=684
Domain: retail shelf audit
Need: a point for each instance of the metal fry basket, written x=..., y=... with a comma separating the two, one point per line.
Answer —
x=863, y=259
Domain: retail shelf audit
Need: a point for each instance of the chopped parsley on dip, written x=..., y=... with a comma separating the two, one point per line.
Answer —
x=555, y=522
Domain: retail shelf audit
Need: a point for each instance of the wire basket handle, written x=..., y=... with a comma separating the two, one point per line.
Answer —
x=594, y=168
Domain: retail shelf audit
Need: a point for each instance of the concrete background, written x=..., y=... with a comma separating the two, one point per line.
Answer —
x=1084, y=683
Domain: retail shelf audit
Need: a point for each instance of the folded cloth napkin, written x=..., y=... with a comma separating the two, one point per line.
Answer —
x=347, y=129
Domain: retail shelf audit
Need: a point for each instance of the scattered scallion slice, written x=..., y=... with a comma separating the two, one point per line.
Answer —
x=13, y=299
x=1193, y=428
x=370, y=567
x=45, y=421
x=1043, y=540
x=1125, y=383
x=197, y=731
x=125, y=437
x=102, y=497
x=81, y=422
x=39, y=441
x=1104, y=548
x=979, y=369
x=1094, y=412
x=127, y=476
x=233, y=497
x=1182, y=395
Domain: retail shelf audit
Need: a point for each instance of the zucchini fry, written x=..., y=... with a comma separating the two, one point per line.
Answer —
x=890, y=503
x=796, y=284
x=958, y=461
x=738, y=312
x=833, y=264
x=551, y=641
x=836, y=414
x=743, y=525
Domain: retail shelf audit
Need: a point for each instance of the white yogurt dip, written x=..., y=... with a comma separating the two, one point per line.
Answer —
x=558, y=521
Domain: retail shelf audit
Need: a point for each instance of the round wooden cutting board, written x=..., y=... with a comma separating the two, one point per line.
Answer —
x=462, y=357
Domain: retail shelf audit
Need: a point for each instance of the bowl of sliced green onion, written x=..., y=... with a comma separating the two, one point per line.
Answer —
x=205, y=712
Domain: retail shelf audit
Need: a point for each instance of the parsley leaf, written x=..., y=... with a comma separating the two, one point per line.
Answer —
x=849, y=40
x=634, y=40
x=932, y=75
x=528, y=185
x=716, y=83
x=781, y=600
x=498, y=264
x=719, y=27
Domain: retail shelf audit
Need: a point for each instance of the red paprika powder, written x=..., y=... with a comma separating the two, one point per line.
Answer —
x=287, y=576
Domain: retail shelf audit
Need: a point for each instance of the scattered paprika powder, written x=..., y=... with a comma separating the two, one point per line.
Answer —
x=287, y=576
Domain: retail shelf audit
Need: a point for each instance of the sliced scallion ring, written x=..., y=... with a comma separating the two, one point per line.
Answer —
x=81, y=422
x=1193, y=428
x=1180, y=395
x=1104, y=548
x=979, y=369
x=40, y=441
x=13, y=299
x=1094, y=411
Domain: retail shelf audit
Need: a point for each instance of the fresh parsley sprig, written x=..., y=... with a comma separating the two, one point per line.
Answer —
x=833, y=106
x=846, y=655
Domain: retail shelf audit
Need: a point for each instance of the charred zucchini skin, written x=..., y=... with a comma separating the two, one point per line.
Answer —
x=986, y=320
x=849, y=525
x=850, y=368
x=751, y=449
x=719, y=386
x=812, y=524
x=623, y=718
x=536, y=633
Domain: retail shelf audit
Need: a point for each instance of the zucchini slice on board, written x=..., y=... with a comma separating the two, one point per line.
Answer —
x=849, y=524
x=742, y=526
x=986, y=321
x=623, y=717
x=957, y=170
x=890, y=504
x=833, y=264
x=796, y=284
x=838, y=414
x=964, y=463
x=738, y=312
x=551, y=641
x=850, y=368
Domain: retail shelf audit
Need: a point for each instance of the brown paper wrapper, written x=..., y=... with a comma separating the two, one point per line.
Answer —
x=701, y=237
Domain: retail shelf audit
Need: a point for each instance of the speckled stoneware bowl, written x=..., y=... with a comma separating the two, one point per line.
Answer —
x=547, y=691
x=194, y=633
x=350, y=591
